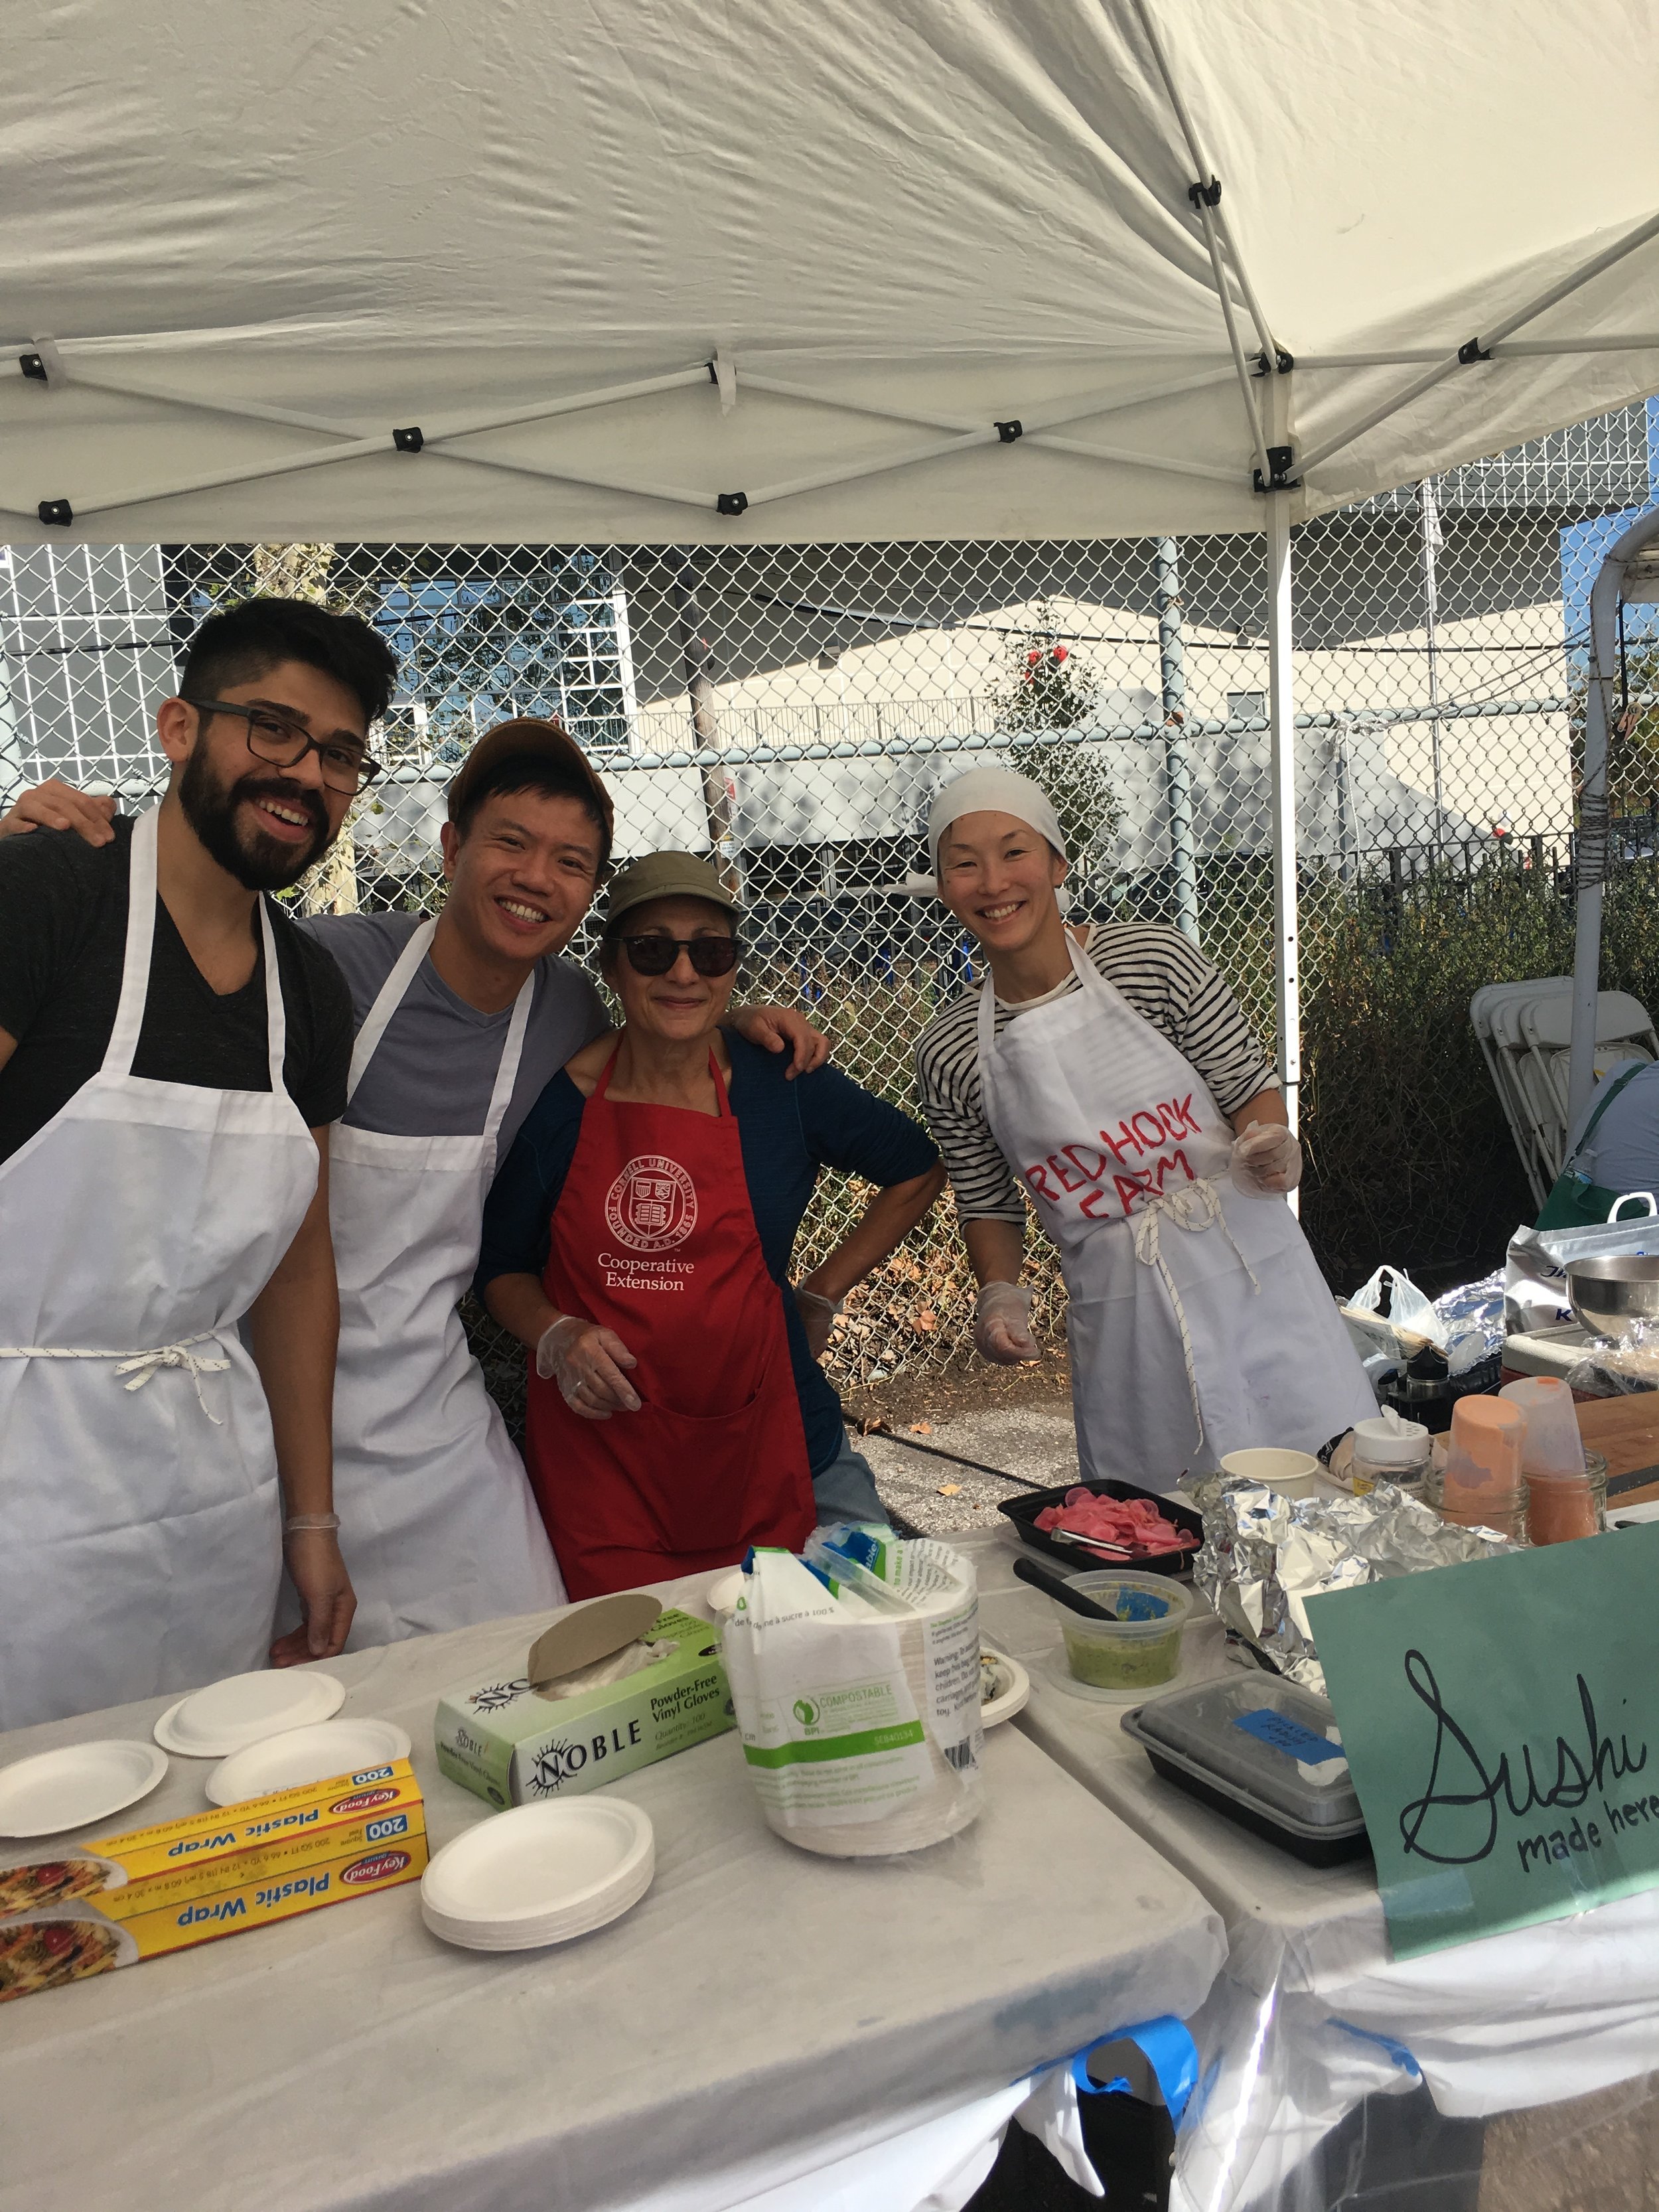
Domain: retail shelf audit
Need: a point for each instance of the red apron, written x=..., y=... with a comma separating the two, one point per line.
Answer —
x=654, y=1237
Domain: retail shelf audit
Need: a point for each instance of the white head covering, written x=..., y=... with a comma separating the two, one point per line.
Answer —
x=986, y=790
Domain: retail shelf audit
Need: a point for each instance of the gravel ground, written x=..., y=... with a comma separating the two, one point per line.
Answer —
x=1033, y=1444
x=1596, y=2154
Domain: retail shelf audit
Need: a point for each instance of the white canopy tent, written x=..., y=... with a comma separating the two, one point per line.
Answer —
x=647, y=270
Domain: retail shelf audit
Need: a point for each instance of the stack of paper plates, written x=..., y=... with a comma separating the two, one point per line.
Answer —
x=77, y=1784
x=211, y=1723
x=540, y=1873
x=305, y=1755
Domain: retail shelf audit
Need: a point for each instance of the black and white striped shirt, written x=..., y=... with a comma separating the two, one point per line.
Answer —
x=1167, y=981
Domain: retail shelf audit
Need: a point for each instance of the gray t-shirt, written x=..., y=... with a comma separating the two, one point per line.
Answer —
x=436, y=1064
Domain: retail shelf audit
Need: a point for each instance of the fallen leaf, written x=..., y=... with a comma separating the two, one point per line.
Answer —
x=950, y=1489
x=921, y=1428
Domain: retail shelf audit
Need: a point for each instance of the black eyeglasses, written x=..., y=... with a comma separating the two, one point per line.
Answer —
x=285, y=744
x=655, y=955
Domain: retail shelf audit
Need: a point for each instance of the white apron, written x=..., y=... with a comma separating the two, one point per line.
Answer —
x=140, y=1520
x=438, y=1522
x=1198, y=1322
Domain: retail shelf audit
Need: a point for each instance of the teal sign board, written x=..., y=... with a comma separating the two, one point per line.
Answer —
x=1502, y=1723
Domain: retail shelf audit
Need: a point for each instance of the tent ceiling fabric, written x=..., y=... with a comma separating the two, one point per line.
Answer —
x=922, y=218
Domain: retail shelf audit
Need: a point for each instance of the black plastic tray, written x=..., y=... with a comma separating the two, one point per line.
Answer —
x=1315, y=1847
x=1022, y=1512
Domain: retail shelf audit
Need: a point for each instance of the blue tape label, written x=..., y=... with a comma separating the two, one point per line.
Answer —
x=1292, y=1737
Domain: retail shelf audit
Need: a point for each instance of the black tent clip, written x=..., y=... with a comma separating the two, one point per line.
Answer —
x=1010, y=431
x=731, y=502
x=408, y=442
x=56, y=510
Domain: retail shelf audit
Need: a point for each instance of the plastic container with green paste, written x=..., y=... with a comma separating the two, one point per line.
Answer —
x=1142, y=1648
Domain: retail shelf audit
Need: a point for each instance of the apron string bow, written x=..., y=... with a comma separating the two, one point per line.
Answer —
x=138, y=1366
x=1193, y=1206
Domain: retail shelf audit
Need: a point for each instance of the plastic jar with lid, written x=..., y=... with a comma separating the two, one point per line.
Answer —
x=1389, y=1448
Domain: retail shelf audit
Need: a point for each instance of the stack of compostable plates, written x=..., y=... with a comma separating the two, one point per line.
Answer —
x=539, y=1874
x=228, y=1716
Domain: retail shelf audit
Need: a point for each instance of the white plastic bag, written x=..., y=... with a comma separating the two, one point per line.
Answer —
x=1407, y=1309
x=1535, y=1267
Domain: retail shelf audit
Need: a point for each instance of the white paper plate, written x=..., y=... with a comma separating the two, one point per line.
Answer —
x=539, y=1874
x=553, y=1928
x=305, y=1755
x=723, y=1596
x=1013, y=1687
x=57, y=1791
x=228, y=1716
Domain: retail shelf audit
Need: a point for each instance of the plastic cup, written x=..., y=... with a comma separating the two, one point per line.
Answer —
x=1483, y=1458
x=1139, y=1650
x=1554, y=1446
x=1294, y=1472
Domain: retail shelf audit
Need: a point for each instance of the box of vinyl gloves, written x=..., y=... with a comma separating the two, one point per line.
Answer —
x=611, y=1687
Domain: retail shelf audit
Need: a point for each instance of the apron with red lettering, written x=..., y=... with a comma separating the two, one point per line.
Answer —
x=654, y=1237
x=1199, y=1323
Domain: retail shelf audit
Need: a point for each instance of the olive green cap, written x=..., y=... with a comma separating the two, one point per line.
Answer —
x=665, y=875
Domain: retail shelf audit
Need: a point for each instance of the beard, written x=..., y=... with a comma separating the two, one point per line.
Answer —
x=258, y=861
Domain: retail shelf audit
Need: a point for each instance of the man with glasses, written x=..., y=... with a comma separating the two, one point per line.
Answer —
x=461, y=1019
x=171, y=1051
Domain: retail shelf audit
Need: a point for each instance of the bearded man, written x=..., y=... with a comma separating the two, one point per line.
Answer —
x=172, y=1052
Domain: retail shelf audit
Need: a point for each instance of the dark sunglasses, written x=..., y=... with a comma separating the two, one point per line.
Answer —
x=655, y=955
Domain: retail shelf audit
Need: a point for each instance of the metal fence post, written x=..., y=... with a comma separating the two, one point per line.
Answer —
x=1282, y=720
x=1177, y=764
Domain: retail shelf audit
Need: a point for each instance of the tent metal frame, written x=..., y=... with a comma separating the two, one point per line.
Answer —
x=1264, y=382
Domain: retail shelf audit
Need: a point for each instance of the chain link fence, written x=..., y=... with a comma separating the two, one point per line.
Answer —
x=794, y=708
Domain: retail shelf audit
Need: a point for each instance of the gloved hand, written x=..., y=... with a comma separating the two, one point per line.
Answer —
x=586, y=1362
x=1002, y=1324
x=818, y=1315
x=1266, y=1161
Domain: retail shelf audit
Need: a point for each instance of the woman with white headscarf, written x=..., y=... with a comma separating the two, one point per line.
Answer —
x=1107, y=1074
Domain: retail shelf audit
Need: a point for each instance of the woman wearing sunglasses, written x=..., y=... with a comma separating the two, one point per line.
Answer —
x=637, y=1241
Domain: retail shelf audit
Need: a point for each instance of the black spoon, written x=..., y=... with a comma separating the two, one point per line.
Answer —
x=1056, y=1586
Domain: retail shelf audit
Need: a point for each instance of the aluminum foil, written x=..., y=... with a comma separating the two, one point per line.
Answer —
x=1264, y=1555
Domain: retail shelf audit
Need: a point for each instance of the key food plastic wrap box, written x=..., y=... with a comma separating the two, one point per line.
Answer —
x=613, y=1686
x=85, y=1908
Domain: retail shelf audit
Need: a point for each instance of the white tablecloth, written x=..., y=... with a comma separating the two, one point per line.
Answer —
x=762, y=2013
x=1312, y=2012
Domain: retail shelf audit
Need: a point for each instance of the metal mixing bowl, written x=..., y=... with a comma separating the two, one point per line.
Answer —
x=1611, y=1296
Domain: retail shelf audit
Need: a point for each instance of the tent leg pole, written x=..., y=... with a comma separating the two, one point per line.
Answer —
x=1590, y=855
x=1282, y=715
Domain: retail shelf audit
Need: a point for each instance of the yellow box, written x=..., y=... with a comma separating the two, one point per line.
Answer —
x=111, y=1901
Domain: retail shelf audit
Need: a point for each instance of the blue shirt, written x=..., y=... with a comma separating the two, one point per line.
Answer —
x=788, y=1133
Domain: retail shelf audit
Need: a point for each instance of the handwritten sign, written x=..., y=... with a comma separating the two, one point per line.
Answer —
x=1502, y=1723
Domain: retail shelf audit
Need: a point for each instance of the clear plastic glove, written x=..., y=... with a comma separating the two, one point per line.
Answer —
x=1266, y=1161
x=1002, y=1324
x=818, y=1315
x=586, y=1362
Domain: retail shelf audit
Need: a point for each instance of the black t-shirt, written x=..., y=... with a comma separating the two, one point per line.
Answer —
x=63, y=939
